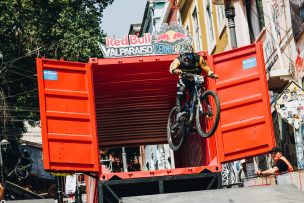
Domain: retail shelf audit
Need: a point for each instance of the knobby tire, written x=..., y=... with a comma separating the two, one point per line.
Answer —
x=212, y=130
x=181, y=131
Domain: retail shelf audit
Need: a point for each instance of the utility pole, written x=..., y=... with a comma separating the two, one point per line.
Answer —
x=230, y=14
x=59, y=189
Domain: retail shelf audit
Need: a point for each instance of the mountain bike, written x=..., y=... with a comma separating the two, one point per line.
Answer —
x=204, y=109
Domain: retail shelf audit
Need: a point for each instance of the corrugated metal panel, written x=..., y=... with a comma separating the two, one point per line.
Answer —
x=245, y=127
x=133, y=99
x=192, y=153
x=68, y=116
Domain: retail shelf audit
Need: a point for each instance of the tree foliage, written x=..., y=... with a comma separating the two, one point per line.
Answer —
x=68, y=29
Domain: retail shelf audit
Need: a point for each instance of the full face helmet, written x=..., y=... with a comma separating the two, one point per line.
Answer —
x=186, y=52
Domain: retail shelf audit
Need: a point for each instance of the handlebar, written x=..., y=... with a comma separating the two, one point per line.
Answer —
x=185, y=74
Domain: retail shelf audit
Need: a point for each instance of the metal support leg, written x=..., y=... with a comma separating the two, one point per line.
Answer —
x=161, y=186
x=59, y=188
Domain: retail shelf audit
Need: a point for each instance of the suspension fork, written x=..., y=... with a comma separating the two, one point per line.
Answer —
x=195, y=102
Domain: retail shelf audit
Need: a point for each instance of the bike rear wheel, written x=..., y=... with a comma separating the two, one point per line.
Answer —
x=175, y=136
x=207, y=114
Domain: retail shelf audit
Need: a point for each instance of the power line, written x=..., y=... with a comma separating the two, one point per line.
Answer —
x=37, y=110
x=24, y=56
x=21, y=93
x=28, y=76
x=24, y=70
x=13, y=80
x=45, y=46
x=273, y=39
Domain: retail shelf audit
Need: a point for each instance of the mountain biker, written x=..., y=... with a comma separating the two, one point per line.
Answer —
x=188, y=62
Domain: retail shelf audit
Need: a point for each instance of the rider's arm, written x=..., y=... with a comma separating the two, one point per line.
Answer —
x=174, y=65
x=206, y=68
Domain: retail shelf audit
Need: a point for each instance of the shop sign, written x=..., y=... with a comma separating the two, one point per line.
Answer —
x=167, y=41
x=290, y=105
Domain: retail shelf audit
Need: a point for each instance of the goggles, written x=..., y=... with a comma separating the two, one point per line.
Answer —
x=187, y=57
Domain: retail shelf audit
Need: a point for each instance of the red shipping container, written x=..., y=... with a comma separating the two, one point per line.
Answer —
x=126, y=101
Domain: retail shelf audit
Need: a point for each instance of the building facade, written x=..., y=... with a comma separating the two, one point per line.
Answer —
x=217, y=26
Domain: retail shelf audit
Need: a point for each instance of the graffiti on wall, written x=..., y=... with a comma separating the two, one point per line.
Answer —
x=290, y=104
x=299, y=66
x=276, y=35
x=157, y=157
x=234, y=172
x=297, y=16
x=270, y=53
x=299, y=142
x=277, y=11
x=273, y=35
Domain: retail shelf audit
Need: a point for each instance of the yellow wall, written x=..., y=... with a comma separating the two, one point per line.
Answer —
x=221, y=41
x=185, y=12
x=186, y=16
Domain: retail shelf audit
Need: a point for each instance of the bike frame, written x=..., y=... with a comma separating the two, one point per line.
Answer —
x=198, y=90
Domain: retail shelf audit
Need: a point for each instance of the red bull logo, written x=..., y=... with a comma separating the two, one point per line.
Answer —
x=177, y=36
x=171, y=36
x=162, y=37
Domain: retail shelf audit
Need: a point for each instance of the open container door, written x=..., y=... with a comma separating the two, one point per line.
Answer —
x=245, y=127
x=67, y=116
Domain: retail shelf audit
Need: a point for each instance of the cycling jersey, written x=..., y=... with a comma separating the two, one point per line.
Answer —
x=194, y=66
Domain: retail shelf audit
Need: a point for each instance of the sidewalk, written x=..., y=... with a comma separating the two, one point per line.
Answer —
x=263, y=194
x=32, y=201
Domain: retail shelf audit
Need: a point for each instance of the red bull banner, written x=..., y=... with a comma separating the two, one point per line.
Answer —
x=167, y=41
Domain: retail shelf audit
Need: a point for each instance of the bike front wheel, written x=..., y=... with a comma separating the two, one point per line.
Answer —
x=175, y=130
x=207, y=114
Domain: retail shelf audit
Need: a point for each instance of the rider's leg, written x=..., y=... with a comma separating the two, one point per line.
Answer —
x=190, y=87
x=181, y=92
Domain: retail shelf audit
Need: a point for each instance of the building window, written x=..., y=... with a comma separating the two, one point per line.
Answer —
x=196, y=32
x=220, y=14
x=209, y=26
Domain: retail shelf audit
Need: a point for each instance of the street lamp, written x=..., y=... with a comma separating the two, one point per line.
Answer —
x=4, y=143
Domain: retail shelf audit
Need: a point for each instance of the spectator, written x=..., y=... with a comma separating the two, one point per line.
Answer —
x=281, y=164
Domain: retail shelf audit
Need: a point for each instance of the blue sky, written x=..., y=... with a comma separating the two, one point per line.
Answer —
x=118, y=17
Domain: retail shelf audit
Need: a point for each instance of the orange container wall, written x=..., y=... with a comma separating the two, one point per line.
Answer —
x=67, y=116
x=246, y=127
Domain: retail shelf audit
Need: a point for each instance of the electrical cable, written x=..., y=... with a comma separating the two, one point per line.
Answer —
x=28, y=76
x=23, y=70
x=20, y=110
x=21, y=93
x=13, y=80
x=283, y=51
x=24, y=56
